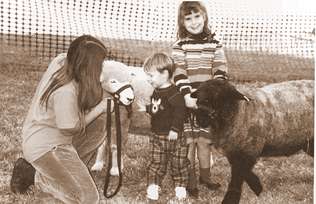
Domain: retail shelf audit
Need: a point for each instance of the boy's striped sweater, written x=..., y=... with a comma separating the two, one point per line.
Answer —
x=197, y=61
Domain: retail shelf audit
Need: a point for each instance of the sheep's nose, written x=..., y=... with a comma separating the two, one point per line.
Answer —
x=130, y=99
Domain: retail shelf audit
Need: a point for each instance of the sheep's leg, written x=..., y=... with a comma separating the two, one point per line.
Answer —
x=309, y=148
x=233, y=193
x=250, y=177
x=114, y=171
x=241, y=170
x=254, y=183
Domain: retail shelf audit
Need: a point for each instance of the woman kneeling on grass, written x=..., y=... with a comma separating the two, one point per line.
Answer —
x=63, y=127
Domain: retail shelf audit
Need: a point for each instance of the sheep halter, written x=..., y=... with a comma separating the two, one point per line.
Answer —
x=119, y=142
x=116, y=95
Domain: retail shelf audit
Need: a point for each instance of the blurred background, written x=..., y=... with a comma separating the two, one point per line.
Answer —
x=254, y=33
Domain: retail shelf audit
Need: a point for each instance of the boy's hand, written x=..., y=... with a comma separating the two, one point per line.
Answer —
x=172, y=135
x=190, y=102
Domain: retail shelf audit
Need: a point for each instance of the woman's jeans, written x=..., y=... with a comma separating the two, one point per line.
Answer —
x=63, y=172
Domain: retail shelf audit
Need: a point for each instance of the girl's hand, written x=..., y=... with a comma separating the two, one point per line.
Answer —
x=190, y=102
x=172, y=135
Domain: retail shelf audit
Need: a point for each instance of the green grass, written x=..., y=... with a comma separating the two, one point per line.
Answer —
x=285, y=179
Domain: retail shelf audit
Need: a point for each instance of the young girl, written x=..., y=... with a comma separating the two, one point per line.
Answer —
x=198, y=57
x=168, y=143
x=63, y=128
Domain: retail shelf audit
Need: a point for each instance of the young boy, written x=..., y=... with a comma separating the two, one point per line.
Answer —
x=167, y=110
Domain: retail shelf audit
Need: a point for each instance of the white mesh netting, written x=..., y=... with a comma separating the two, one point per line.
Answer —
x=48, y=26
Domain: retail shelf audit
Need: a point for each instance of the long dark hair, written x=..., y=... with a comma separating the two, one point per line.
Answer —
x=83, y=65
x=185, y=8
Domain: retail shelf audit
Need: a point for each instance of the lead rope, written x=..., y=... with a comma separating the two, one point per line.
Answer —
x=119, y=136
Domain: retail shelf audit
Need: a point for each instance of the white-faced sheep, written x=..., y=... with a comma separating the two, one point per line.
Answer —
x=273, y=120
x=122, y=74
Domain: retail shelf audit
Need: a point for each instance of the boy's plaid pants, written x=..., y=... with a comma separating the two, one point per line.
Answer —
x=164, y=151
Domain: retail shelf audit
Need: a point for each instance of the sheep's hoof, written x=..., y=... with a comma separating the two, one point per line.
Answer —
x=254, y=183
x=256, y=188
x=232, y=197
x=114, y=171
x=98, y=166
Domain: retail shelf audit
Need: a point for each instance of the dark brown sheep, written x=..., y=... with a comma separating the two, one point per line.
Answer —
x=274, y=120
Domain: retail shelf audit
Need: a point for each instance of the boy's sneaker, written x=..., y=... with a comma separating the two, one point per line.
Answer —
x=181, y=193
x=153, y=192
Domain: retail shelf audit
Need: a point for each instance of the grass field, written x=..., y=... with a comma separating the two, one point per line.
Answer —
x=285, y=179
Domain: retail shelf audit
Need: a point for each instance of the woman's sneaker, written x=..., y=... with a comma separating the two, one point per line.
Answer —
x=181, y=193
x=153, y=192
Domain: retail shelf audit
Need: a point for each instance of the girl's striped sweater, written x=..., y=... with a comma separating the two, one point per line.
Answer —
x=197, y=61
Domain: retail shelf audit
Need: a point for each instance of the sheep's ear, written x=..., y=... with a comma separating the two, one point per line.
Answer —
x=239, y=96
x=194, y=94
x=102, y=77
x=247, y=99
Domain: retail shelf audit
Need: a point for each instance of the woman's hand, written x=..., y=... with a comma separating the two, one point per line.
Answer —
x=172, y=135
x=190, y=102
x=99, y=109
x=102, y=106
